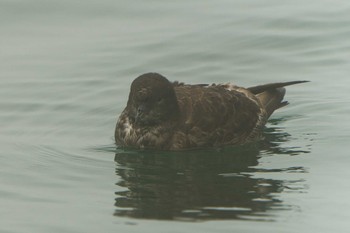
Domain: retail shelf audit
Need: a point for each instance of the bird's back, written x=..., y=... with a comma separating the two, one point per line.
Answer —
x=216, y=115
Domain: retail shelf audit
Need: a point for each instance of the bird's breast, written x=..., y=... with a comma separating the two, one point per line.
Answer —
x=137, y=136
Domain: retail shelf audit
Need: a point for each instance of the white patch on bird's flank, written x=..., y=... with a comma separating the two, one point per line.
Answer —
x=230, y=86
x=127, y=127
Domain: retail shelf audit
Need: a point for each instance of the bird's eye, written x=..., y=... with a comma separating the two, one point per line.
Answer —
x=160, y=100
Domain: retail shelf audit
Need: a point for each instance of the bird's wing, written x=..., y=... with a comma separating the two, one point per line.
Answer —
x=216, y=114
x=271, y=86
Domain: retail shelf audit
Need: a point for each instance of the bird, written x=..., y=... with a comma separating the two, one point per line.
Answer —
x=173, y=116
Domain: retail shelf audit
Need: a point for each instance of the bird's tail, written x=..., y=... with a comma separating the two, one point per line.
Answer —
x=271, y=95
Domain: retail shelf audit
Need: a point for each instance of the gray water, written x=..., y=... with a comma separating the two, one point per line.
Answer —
x=65, y=71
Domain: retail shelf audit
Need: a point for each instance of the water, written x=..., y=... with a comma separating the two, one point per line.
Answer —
x=65, y=73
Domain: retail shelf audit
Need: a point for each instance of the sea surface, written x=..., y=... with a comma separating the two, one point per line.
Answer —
x=65, y=72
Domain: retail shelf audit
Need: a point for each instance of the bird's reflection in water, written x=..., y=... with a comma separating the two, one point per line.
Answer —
x=198, y=185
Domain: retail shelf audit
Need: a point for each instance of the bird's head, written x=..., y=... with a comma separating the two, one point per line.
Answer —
x=152, y=100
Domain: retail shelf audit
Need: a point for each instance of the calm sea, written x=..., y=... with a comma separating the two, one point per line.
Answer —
x=65, y=72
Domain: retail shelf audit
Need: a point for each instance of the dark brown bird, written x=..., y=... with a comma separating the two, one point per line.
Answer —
x=174, y=116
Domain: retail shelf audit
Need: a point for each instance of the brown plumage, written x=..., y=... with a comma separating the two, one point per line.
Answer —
x=174, y=116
